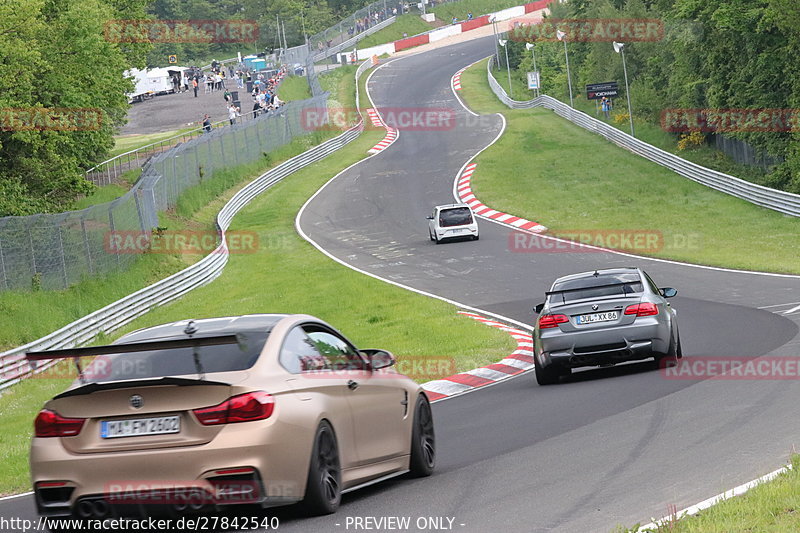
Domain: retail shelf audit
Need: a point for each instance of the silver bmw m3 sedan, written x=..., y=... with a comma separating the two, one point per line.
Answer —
x=601, y=318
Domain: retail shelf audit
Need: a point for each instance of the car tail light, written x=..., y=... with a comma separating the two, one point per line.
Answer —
x=645, y=309
x=51, y=424
x=242, y=408
x=552, y=321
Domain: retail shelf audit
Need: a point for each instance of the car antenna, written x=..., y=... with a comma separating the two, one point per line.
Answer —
x=190, y=330
x=596, y=273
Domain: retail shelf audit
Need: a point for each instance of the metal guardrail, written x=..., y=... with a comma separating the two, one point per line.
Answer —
x=352, y=41
x=781, y=201
x=13, y=365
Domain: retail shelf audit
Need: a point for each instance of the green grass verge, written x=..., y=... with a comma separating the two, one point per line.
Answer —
x=294, y=88
x=339, y=82
x=653, y=133
x=770, y=507
x=101, y=195
x=460, y=9
x=649, y=131
x=126, y=143
x=285, y=275
x=583, y=182
x=410, y=24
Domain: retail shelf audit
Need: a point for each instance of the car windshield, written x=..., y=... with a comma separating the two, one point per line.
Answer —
x=178, y=361
x=457, y=216
x=617, y=284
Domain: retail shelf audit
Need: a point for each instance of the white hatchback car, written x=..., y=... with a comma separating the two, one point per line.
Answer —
x=452, y=221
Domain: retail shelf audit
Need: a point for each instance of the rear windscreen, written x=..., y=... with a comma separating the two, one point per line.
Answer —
x=458, y=216
x=179, y=361
x=620, y=284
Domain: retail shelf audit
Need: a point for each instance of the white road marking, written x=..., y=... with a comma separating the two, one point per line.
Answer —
x=705, y=504
x=792, y=310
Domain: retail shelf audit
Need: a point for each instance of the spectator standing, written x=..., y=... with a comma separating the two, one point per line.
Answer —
x=194, y=86
x=206, y=124
x=233, y=112
x=605, y=105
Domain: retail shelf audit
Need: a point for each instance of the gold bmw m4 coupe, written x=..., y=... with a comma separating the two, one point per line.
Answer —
x=203, y=415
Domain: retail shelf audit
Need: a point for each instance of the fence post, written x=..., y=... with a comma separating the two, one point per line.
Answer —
x=139, y=210
x=86, y=245
x=222, y=150
x=235, y=145
x=113, y=231
x=210, y=169
x=174, y=182
x=197, y=164
x=33, y=250
x=3, y=266
x=63, y=259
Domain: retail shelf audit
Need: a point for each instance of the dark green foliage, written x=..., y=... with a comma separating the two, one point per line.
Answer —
x=718, y=54
x=53, y=55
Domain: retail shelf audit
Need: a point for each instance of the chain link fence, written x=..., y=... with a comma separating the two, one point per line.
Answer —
x=743, y=153
x=54, y=251
x=357, y=23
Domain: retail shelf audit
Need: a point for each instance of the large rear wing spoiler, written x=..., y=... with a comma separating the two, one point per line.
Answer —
x=616, y=284
x=134, y=347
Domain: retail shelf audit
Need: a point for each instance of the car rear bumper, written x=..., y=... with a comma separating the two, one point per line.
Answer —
x=609, y=347
x=460, y=232
x=140, y=477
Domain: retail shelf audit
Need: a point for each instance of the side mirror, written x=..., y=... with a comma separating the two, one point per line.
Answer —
x=379, y=359
x=538, y=308
x=668, y=292
x=429, y=217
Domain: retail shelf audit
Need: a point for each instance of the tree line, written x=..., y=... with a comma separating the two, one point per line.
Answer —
x=736, y=55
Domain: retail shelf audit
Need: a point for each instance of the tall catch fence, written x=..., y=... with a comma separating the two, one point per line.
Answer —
x=54, y=251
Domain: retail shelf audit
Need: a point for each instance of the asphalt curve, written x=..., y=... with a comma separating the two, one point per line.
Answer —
x=613, y=446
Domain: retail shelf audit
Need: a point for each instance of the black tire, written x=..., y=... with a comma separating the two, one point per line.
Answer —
x=324, y=485
x=547, y=375
x=431, y=236
x=680, y=349
x=423, y=440
x=669, y=359
x=436, y=240
x=476, y=237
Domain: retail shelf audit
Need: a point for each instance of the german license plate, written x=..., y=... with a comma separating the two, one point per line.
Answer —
x=598, y=317
x=136, y=427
